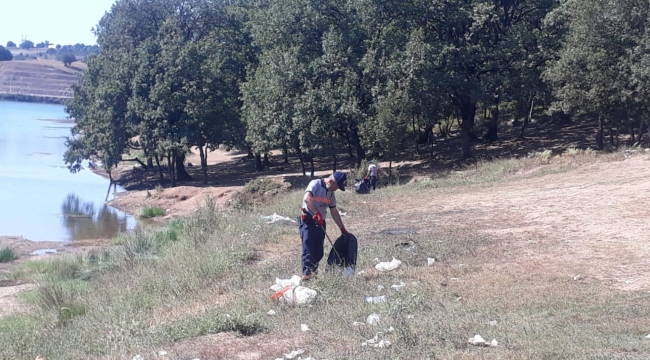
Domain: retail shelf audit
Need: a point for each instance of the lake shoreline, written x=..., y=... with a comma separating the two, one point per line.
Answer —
x=33, y=99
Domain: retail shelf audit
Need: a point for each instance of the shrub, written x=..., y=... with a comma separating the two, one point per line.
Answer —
x=7, y=255
x=150, y=212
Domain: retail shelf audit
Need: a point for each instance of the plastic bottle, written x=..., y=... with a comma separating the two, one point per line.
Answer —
x=376, y=299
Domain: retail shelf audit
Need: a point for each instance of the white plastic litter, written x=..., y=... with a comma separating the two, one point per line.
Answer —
x=431, y=261
x=357, y=323
x=375, y=299
x=398, y=287
x=388, y=266
x=138, y=357
x=380, y=287
x=373, y=319
x=381, y=344
x=271, y=312
x=376, y=343
x=477, y=340
x=647, y=336
x=276, y=218
x=162, y=353
x=304, y=327
x=282, y=283
x=494, y=343
x=410, y=316
x=298, y=295
x=293, y=354
x=493, y=323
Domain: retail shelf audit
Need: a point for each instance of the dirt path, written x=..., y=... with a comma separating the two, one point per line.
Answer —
x=593, y=221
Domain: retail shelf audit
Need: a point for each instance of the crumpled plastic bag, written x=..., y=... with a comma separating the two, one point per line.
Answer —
x=282, y=283
x=298, y=295
x=276, y=218
x=388, y=266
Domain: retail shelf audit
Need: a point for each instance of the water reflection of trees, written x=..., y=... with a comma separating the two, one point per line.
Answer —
x=83, y=221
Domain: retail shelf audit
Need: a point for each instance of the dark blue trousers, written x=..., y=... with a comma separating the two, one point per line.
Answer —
x=373, y=182
x=313, y=239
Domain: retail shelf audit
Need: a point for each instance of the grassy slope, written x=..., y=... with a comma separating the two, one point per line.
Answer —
x=171, y=288
x=38, y=78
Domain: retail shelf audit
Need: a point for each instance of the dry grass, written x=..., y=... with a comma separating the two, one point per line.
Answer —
x=38, y=78
x=205, y=294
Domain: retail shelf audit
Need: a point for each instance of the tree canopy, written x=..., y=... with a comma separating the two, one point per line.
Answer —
x=5, y=55
x=311, y=77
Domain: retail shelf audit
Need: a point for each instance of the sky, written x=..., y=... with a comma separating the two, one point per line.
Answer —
x=64, y=22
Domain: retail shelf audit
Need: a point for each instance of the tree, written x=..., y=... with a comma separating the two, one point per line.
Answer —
x=597, y=66
x=5, y=55
x=26, y=44
x=11, y=44
x=68, y=58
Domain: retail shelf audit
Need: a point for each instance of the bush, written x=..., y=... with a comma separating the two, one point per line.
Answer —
x=5, y=55
x=68, y=58
x=256, y=192
x=150, y=212
x=7, y=255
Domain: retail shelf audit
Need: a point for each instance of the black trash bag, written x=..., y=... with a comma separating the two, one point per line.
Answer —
x=362, y=186
x=344, y=252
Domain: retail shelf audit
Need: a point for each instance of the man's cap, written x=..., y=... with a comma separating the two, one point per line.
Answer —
x=340, y=178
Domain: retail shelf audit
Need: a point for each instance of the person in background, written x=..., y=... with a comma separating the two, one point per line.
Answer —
x=372, y=175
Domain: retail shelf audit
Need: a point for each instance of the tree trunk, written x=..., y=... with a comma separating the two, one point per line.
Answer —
x=641, y=131
x=599, y=136
x=350, y=147
x=302, y=162
x=258, y=163
x=611, y=136
x=416, y=135
x=630, y=127
x=285, y=152
x=170, y=164
x=356, y=141
x=160, y=170
x=528, y=116
x=149, y=162
x=334, y=158
x=390, y=172
x=468, y=111
x=181, y=174
x=110, y=182
x=266, y=160
x=204, y=163
x=311, y=160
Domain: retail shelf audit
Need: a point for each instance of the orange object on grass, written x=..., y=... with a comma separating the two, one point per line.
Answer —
x=278, y=294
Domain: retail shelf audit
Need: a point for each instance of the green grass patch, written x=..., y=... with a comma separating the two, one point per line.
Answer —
x=151, y=212
x=7, y=255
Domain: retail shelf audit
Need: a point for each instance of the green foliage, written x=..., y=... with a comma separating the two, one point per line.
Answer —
x=5, y=55
x=7, y=254
x=11, y=44
x=150, y=212
x=67, y=58
x=27, y=45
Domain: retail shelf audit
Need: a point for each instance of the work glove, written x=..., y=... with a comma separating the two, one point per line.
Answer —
x=318, y=219
x=344, y=231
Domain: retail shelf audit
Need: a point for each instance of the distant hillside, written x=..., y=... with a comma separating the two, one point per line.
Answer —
x=45, y=79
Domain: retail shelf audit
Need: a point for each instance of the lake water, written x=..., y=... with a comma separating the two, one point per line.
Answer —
x=39, y=198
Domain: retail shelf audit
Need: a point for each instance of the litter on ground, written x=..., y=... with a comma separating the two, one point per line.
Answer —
x=293, y=354
x=357, y=323
x=282, y=283
x=388, y=266
x=304, y=327
x=493, y=323
x=398, y=287
x=431, y=261
x=296, y=295
x=373, y=319
x=271, y=312
x=277, y=218
x=479, y=341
